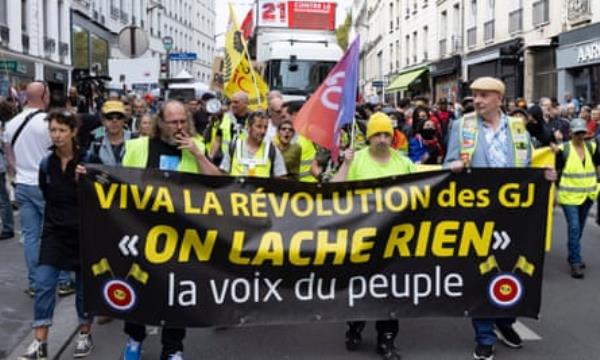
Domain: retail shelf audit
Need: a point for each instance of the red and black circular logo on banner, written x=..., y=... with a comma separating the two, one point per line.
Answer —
x=119, y=295
x=505, y=290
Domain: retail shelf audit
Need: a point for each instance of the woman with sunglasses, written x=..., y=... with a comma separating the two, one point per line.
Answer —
x=60, y=236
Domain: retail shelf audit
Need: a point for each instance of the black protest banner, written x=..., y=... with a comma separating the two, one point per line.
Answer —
x=188, y=250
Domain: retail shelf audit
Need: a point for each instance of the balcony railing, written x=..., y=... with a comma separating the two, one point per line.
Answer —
x=515, y=21
x=489, y=31
x=443, y=48
x=472, y=37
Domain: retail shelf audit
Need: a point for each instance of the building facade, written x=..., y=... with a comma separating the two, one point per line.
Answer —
x=537, y=47
x=35, y=44
x=190, y=23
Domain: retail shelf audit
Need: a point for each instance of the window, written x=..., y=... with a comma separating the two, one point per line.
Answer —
x=515, y=17
x=425, y=45
x=391, y=57
x=541, y=12
x=3, y=11
x=391, y=17
x=407, y=49
x=60, y=20
x=397, y=54
x=45, y=18
x=24, y=16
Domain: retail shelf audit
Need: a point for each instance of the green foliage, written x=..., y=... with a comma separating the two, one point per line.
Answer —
x=341, y=33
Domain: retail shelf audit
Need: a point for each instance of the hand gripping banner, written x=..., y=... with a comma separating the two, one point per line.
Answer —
x=189, y=250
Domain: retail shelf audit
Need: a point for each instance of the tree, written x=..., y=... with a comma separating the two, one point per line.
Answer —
x=341, y=33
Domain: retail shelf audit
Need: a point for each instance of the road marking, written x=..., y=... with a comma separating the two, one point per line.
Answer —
x=524, y=332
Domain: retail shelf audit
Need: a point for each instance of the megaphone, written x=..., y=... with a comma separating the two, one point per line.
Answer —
x=213, y=106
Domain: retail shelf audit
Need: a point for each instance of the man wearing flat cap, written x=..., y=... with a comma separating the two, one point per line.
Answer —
x=488, y=138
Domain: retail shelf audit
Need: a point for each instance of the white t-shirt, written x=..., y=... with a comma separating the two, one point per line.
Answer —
x=31, y=146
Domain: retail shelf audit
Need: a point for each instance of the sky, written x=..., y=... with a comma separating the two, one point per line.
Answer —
x=241, y=7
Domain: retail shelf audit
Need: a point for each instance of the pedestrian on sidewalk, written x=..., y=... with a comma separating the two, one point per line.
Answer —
x=577, y=161
x=26, y=142
x=59, y=248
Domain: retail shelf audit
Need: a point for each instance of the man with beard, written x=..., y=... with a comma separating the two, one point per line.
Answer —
x=174, y=146
x=232, y=124
x=377, y=160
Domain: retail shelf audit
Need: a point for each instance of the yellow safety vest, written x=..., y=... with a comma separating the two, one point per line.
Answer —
x=309, y=152
x=578, y=180
x=258, y=166
x=137, y=150
x=469, y=133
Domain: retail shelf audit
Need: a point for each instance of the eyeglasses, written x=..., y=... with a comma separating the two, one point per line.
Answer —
x=286, y=128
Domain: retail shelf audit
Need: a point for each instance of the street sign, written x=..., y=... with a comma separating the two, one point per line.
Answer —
x=10, y=65
x=167, y=43
x=378, y=83
x=183, y=56
x=133, y=41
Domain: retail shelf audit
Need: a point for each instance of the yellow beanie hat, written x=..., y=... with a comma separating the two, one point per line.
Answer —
x=379, y=123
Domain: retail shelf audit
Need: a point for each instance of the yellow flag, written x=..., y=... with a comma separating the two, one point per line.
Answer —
x=525, y=266
x=488, y=265
x=543, y=157
x=238, y=74
x=100, y=267
x=137, y=273
x=246, y=79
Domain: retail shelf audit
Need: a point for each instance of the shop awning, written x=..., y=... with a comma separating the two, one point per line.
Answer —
x=402, y=81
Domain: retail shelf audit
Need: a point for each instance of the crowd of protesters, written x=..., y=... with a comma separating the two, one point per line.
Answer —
x=46, y=149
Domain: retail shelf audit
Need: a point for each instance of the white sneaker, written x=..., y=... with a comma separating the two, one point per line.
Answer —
x=83, y=346
x=177, y=356
x=37, y=350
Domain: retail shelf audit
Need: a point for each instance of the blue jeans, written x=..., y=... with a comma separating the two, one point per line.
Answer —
x=31, y=207
x=576, y=216
x=46, y=280
x=484, y=329
x=6, y=212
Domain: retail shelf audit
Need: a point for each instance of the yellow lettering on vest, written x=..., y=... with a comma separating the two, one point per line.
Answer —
x=202, y=249
x=167, y=237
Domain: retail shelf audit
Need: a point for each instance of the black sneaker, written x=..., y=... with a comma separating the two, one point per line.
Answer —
x=7, y=235
x=577, y=271
x=353, y=336
x=65, y=289
x=386, y=347
x=37, y=350
x=509, y=336
x=483, y=352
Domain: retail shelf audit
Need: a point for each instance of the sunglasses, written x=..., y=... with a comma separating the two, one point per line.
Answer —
x=114, y=117
x=286, y=128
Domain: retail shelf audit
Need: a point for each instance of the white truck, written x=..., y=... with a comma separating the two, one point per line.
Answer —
x=140, y=75
x=294, y=45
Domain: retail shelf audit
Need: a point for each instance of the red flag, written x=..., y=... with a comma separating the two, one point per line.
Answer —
x=248, y=25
